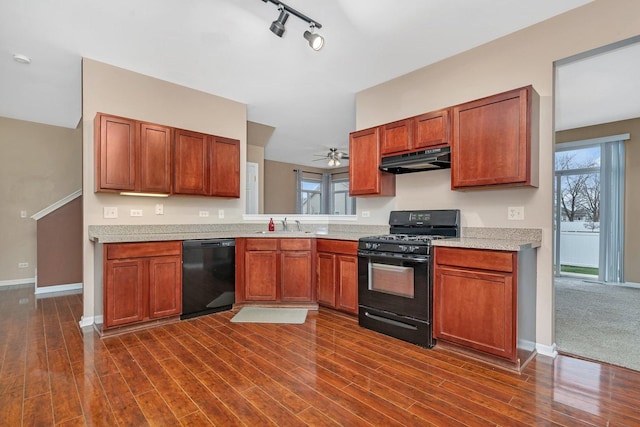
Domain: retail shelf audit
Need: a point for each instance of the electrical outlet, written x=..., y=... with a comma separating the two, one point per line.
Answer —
x=23, y=214
x=159, y=209
x=23, y=264
x=220, y=213
x=203, y=214
x=110, y=212
x=136, y=212
x=366, y=214
x=515, y=213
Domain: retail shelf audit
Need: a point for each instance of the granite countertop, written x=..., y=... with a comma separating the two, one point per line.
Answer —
x=506, y=239
x=154, y=233
x=500, y=239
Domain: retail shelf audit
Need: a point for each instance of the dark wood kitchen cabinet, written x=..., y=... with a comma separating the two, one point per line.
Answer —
x=131, y=156
x=495, y=141
x=416, y=133
x=365, y=179
x=274, y=270
x=396, y=137
x=142, y=282
x=206, y=165
x=485, y=300
x=225, y=167
x=431, y=130
x=337, y=274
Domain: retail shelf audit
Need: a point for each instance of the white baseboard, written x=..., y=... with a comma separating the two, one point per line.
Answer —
x=86, y=321
x=28, y=281
x=547, y=350
x=90, y=321
x=58, y=288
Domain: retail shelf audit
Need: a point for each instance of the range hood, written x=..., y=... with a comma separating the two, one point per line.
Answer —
x=419, y=161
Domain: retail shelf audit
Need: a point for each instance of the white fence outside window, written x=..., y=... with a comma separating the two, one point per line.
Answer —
x=580, y=246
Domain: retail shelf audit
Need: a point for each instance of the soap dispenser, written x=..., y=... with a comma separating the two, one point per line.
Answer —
x=272, y=226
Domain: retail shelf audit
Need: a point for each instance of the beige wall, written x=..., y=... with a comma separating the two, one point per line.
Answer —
x=39, y=165
x=113, y=90
x=525, y=57
x=632, y=178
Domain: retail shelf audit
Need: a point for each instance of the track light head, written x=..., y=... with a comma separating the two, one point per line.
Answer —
x=277, y=26
x=316, y=41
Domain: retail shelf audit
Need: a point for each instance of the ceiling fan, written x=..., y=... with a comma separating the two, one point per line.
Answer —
x=333, y=157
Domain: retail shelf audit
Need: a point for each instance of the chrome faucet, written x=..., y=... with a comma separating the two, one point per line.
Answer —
x=284, y=224
x=299, y=226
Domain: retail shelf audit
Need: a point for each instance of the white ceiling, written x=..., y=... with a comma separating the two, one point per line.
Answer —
x=224, y=47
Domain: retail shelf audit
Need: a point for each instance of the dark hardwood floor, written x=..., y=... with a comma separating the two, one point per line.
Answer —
x=328, y=371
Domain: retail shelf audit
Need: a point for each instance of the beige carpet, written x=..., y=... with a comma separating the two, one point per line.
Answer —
x=270, y=315
x=600, y=322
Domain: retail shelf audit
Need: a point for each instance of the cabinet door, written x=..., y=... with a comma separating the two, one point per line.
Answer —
x=225, y=167
x=326, y=279
x=191, y=163
x=396, y=137
x=115, y=146
x=296, y=273
x=154, y=158
x=165, y=286
x=260, y=274
x=491, y=142
x=365, y=179
x=475, y=309
x=347, y=281
x=125, y=295
x=431, y=129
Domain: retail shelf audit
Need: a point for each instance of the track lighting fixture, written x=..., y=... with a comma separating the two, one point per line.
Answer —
x=316, y=41
x=277, y=26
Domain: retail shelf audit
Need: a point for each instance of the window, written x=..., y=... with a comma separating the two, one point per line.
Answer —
x=589, y=208
x=323, y=194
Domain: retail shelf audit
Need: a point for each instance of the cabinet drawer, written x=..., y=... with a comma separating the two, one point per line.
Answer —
x=295, y=244
x=476, y=258
x=337, y=246
x=266, y=244
x=140, y=250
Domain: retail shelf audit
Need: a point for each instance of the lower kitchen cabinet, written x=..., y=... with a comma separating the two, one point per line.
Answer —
x=142, y=282
x=485, y=300
x=337, y=274
x=273, y=270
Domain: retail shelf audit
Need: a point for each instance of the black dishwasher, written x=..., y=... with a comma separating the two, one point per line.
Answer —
x=208, y=276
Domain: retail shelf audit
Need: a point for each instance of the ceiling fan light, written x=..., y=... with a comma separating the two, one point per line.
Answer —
x=277, y=26
x=331, y=163
x=316, y=41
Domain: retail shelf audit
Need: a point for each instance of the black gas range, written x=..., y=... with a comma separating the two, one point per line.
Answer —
x=394, y=274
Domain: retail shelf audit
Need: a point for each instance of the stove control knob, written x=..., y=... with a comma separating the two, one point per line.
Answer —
x=367, y=245
x=403, y=248
x=375, y=246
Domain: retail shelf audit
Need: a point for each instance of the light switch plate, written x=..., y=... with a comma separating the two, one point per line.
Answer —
x=203, y=213
x=159, y=209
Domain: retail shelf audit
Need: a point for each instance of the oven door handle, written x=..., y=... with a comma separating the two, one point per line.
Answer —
x=375, y=255
x=390, y=321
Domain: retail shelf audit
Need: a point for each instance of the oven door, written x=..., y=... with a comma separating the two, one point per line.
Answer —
x=395, y=284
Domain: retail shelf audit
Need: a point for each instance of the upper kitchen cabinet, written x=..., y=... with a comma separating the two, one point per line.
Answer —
x=154, y=159
x=225, y=167
x=396, y=137
x=191, y=163
x=131, y=155
x=206, y=165
x=416, y=133
x=134, y=156
x=431, y=129
x=495, y=141
x=365, y=179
